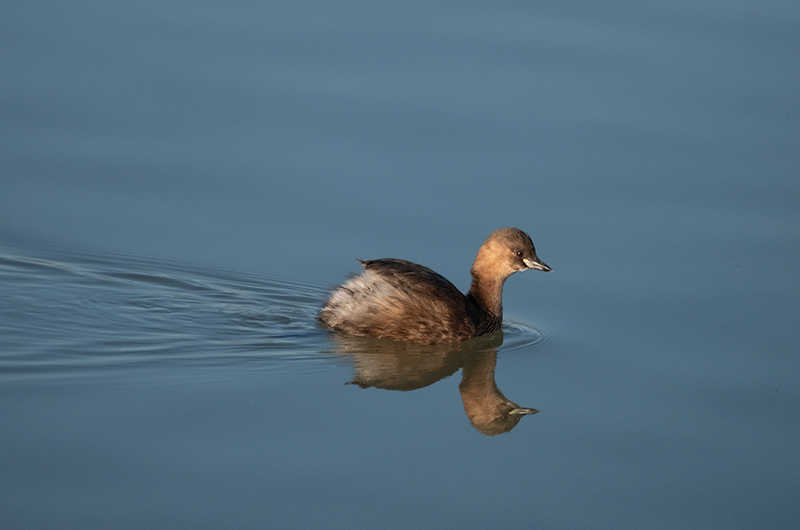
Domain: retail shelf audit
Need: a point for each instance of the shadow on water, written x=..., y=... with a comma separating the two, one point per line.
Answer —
x=392, y=365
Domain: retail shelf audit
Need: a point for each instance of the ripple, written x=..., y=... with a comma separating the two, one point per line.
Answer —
x=518, y=336
x=74, y=313
x=71, y=313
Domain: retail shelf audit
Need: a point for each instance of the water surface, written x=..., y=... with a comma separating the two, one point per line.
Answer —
x=181, y=184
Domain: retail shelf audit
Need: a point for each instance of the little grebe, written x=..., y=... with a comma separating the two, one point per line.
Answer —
x=400, y=300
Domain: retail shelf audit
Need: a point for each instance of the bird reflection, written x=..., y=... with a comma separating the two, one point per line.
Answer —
x=393, y=365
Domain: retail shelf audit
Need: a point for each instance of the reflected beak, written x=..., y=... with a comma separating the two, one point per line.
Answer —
x=537, y=264
x=519, y=411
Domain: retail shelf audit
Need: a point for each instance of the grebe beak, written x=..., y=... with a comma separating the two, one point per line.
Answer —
x=519, y=411
x=536, y=264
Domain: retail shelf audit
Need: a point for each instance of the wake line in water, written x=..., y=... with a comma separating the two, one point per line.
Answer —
x=65, y=312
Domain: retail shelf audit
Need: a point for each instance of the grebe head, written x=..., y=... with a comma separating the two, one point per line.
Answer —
x=505, y=252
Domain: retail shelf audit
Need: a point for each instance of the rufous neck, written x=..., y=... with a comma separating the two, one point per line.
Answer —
x=486, y=296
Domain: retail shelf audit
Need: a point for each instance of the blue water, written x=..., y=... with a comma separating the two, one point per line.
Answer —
x=181, y=185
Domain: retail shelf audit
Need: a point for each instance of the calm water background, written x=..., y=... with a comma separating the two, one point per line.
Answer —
x=180, y=184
